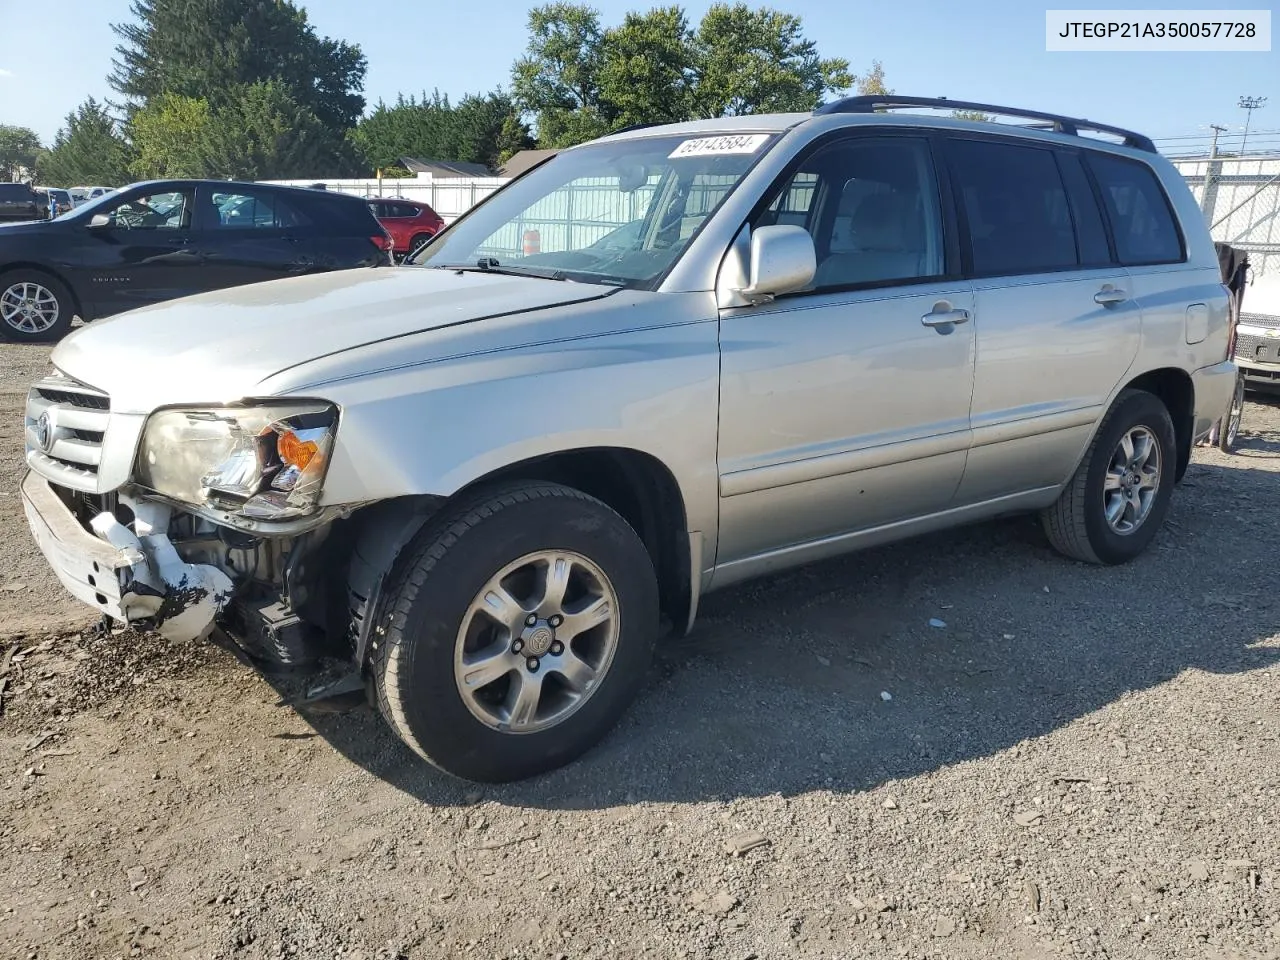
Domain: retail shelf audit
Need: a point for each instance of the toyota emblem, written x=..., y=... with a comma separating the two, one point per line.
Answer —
x=44, y=432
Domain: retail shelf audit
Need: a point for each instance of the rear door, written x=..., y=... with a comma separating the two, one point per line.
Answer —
x=1056, y=319
x=248, y=235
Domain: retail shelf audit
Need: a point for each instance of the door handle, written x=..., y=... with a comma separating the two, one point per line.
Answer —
x=1109, y=295
x=179, y=241
x=945, y=318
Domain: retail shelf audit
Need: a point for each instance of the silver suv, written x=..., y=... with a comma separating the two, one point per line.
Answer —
x=658, y=364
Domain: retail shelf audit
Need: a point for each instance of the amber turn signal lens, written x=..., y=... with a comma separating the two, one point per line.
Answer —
x=294, y=451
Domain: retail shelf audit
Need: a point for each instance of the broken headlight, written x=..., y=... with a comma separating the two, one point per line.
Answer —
x=260, y=462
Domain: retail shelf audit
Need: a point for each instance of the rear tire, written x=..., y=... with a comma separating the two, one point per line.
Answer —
x=1229, y=425
x=418, y=241
x=35, y=307
x=1114, y=505
x=472, y=605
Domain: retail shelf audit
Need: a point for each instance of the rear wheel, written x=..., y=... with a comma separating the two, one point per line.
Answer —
x=1229, y=426
x=419, y=241
x=1114, y=505
x=515, y=632
x=34, y=306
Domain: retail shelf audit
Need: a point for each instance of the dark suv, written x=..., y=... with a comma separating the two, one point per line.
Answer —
x=19, y=202
x=165, y=239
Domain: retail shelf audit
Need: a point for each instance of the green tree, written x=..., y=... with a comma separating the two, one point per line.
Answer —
x=262, y=133
x=90, y=149
x=558, y=78
x=19, y=147
x=758, y=61
x=871, y=83
x=579, y=80
x=167, y=135
x=210, y=49
x=479, y=129
x=972, y=115
x=646, y=68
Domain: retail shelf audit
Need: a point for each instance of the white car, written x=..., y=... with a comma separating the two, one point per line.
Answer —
x=80, y=195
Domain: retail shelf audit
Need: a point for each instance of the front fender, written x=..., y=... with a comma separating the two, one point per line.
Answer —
x=431, y=429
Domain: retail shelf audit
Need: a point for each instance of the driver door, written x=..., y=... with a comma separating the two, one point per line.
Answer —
x=144, y=253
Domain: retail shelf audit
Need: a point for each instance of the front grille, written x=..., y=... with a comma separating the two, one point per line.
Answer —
x=1254, y=349
x=1260, y=319
x=66, y=424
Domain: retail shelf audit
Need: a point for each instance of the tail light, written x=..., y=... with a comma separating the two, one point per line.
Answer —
x=382, y=242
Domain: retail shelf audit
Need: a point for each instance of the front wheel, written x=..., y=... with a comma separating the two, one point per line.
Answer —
x=1117, y=499
x=515, y=632
x=1229, y=425
x=34, y=306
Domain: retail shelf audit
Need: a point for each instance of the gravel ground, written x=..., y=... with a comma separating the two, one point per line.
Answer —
x=1080, y=762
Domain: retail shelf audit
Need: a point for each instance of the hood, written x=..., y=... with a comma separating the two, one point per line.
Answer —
x=20, y=227
x=218, y=347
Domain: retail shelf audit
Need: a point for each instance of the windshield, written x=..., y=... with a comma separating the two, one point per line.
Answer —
x=86, y=209
x=618, y=213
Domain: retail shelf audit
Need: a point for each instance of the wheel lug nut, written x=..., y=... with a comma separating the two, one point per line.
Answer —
x=532, y=664
x=530, y=620
x=557, y=648
x=556, y=620
x=517, y=646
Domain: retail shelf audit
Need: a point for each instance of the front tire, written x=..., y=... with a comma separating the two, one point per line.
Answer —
x=1117, y=499
x=35, y=307
x=514, y=632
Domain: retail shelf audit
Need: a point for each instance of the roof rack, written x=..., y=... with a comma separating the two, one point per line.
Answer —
x=1059, y=124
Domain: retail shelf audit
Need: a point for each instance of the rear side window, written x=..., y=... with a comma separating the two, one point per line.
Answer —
x=337, y=214
x=1141, y=221
x=1015, y=206
x=14, y=191
x=404, y=210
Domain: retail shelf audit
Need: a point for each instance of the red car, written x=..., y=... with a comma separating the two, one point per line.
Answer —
x=410, y=223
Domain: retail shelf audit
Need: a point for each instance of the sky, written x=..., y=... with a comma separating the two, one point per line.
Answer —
x=992, y=52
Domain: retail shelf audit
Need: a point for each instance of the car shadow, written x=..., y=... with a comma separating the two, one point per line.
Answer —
x=833, y=677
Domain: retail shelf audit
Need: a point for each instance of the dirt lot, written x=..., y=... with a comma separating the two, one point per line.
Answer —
x=1081, y=762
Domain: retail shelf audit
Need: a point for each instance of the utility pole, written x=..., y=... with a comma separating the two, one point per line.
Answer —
x=1212, y=173
x=1251, y=104
x=1213, y=147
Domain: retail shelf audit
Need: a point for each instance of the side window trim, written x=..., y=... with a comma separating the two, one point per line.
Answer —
x=952, y=266
x=1082, y=263
x=1107, y=226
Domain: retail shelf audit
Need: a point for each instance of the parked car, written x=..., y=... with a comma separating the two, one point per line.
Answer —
x=165, y=239
x=19, y=202
x=409, y=222
x=61, y=199
x=80, y=195
x=1257, y=349
x=489, y=476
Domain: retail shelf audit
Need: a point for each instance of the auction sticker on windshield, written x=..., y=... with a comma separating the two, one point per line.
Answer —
x=705, y=146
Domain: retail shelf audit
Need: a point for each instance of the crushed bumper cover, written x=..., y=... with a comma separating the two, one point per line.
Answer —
x=137, y=580
x=1214, y=386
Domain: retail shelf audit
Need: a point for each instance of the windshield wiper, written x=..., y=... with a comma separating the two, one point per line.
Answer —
x=491, y=265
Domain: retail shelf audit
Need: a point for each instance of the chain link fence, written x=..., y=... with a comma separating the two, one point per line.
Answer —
x=1240, y=197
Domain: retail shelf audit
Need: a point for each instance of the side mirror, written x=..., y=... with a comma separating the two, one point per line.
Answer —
x=98, y=221
x=783, y=259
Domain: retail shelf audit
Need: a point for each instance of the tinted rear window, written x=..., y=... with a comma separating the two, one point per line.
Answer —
x=336, y=213
x=14, y=191
x=1141, y=221
x=1019, y=220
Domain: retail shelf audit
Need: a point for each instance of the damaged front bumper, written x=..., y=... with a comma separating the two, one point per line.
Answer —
x=133, y=576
